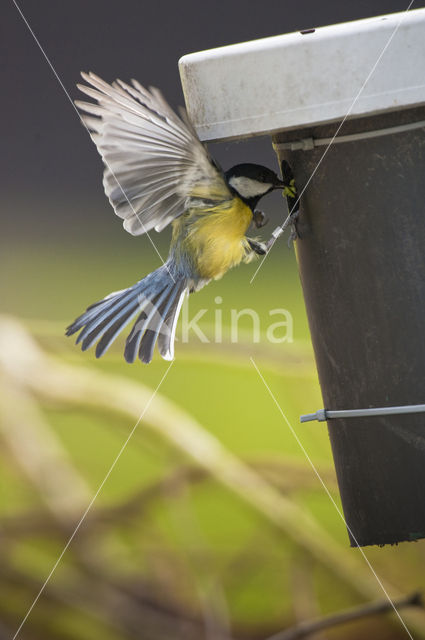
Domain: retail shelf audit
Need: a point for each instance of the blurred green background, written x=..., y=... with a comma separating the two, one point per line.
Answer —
x=212, y=523
x=178, y=543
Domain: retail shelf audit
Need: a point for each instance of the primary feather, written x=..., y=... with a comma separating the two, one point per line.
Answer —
x=154, y=162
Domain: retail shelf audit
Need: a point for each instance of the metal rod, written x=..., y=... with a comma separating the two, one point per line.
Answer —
x=306, y=144
x=324, y=414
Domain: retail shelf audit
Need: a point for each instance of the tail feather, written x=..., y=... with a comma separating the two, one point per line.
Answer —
x=155, y=299
x=98, y=312
x=151, y=334
x=90, y=312
x=112, y=332
x=166, y=337
x=95, y=329
x=115, y=321
x=142, y=323
x=147, y=345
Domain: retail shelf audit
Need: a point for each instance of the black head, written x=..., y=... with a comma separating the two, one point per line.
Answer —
x=252, y=181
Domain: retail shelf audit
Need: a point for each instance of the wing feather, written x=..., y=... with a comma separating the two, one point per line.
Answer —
x=154, y=160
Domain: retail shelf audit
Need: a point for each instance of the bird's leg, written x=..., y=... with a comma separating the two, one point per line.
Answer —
x=260, y=218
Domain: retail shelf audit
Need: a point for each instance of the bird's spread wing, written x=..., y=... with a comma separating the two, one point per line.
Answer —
x=154, y=162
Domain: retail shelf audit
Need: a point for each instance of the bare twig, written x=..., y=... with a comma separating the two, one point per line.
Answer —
x=126, y=609
x=305, y=629
x=40, y=455
x=50, y=380
x=285, y=475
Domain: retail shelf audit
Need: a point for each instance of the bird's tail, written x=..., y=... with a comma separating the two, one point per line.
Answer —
x=156, y=299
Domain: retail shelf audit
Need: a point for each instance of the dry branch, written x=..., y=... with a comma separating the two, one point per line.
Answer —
x=53, y=381
x=305, y=629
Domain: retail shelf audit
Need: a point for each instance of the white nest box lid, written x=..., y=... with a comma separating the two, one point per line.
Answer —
x=307, y=78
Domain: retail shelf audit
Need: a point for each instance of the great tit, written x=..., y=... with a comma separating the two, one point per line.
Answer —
x=158, y=172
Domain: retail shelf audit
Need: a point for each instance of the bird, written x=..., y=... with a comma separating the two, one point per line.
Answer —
x=157, y=172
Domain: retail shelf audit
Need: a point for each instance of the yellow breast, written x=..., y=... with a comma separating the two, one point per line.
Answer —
x=215, y=240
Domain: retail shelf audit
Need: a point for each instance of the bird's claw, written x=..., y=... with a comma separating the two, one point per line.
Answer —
x=260, y=218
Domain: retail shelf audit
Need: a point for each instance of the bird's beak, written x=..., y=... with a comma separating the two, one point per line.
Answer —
x=279, y=184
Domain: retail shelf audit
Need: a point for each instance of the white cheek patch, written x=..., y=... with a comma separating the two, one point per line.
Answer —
x=249, y=188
